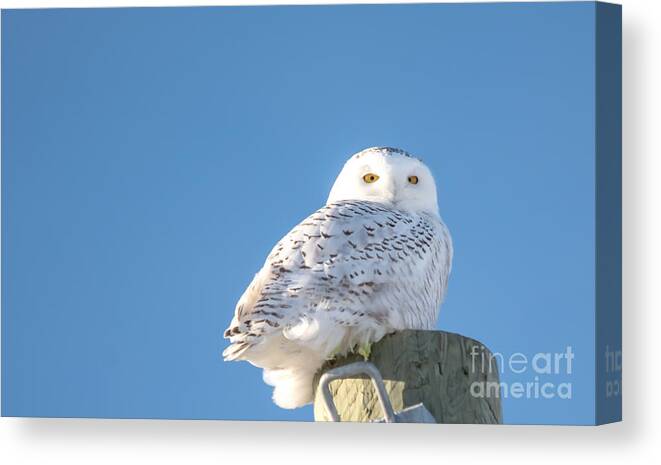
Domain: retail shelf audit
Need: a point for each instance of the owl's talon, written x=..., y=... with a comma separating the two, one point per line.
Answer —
x=365, y=351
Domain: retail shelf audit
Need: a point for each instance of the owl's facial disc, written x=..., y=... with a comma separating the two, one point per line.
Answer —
x=388, y=176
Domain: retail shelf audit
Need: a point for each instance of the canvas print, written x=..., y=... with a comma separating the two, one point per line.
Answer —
x=367, y=213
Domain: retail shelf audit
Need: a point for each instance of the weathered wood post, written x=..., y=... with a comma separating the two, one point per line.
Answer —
x=435, y=368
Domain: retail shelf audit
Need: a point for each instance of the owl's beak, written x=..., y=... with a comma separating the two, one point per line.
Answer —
x=391, y=193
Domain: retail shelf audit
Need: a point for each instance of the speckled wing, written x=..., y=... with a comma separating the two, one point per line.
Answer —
x=354, y=261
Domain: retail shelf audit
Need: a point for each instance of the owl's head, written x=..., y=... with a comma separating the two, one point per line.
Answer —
x=387, y=175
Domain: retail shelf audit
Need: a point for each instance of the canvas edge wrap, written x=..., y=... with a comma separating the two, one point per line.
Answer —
x=608, y=210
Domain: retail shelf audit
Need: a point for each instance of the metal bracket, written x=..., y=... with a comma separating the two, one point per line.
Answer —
x=415, y=414
x=353, y=369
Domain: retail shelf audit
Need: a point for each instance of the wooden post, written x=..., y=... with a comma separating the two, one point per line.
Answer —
x=436, y=368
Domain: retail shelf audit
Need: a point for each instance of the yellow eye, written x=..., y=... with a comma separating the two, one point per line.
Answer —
x=413, y=179
x=370, y=178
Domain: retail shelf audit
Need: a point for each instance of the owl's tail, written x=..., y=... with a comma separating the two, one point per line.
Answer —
x=234, y=351
x=289, y=368
x=292, y=386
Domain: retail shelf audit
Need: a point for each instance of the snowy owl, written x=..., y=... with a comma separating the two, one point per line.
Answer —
x=374, y=260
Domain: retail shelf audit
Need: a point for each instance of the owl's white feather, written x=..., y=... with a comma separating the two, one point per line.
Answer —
x=374, y=260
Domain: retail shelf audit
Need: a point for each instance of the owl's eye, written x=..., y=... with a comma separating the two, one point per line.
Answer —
x=369, y=178
x=413, y=179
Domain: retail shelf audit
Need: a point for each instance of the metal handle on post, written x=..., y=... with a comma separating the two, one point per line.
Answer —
x=353, y=369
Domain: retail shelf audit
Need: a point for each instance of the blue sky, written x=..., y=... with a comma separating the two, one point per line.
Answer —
x=152, y=157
